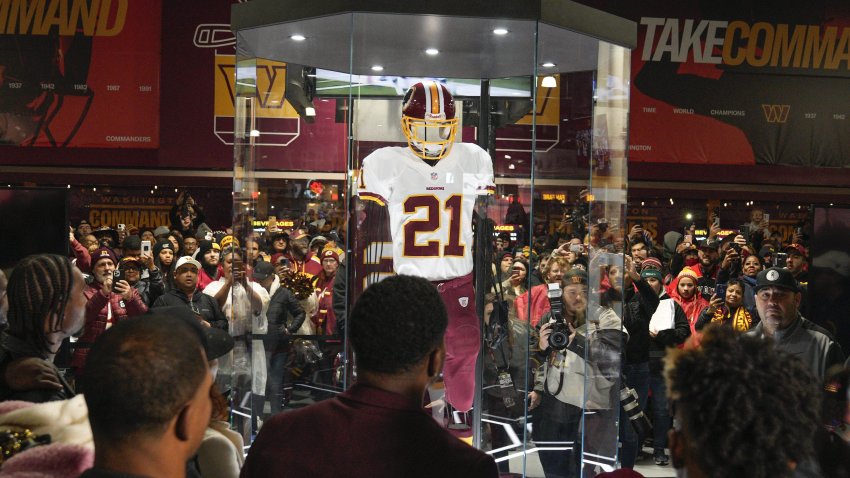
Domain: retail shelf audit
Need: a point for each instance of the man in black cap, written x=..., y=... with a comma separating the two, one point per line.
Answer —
x=777, y=300
x=709, y=259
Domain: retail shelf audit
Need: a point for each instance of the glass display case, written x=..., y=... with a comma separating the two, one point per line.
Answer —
x=481, y=145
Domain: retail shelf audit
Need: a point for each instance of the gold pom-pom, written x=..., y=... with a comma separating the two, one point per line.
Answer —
x=298, y=283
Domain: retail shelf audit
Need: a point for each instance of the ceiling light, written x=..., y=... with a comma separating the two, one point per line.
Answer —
x=377, y=68
x=500, y=31
x=432, y=51
x=548, y=64
x=297, y=37
x=549, y=82
x=309, y=111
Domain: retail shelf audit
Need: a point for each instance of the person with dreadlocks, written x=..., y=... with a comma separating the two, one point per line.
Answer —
x=46, y=305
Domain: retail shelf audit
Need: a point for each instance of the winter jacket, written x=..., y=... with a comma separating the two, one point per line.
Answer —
x=285, y=316
x=201, y=304
x=101, y=311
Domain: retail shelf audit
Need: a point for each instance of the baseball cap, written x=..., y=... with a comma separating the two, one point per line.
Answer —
x=575, y=276
x=766, y=251
x=130, y=260
x=795, y=249
x=263, y=270
x=709, y=244
x=776, y=277
x=187, y=260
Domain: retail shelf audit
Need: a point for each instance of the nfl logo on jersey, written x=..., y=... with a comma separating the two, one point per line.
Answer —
x=463, y=301
x=434, y=176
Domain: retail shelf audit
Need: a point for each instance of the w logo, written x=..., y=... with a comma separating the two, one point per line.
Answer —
x=776, y=113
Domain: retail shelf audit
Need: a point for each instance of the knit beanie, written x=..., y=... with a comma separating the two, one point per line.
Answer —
x=654, y=273
x=688, y=272
x=650, y=263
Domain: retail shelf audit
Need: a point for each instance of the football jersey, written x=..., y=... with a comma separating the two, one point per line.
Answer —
x=430, y=207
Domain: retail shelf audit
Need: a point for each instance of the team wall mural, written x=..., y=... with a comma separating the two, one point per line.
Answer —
x=741, y=83
x=132, y=83
x=80, y=73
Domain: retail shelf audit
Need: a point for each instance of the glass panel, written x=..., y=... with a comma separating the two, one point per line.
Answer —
x=529, y=164
x=605, y=334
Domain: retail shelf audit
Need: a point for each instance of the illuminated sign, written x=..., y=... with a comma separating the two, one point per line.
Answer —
x=554, y=197
x=505, y=228
x=280, y=223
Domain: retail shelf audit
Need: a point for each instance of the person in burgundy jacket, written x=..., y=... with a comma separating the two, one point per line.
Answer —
x=104, y=305
x=379, y=427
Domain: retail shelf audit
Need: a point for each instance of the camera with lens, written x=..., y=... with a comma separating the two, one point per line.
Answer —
x=638, y=419
x=560, y=336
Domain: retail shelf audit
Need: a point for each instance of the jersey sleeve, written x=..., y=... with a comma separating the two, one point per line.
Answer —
x=484, y=176
x=374, y=182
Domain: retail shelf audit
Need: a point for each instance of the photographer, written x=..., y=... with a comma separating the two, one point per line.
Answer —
x=107, y=302
x=186, y=215
x=565, y=384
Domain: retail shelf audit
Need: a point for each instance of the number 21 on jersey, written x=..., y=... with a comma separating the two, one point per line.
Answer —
x=430, y=224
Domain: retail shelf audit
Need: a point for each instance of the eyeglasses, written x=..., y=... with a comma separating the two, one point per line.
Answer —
x=776, y=294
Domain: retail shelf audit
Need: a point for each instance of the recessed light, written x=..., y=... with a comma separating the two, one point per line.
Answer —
x=377, y=68
x=297, y=37
x=548, y=64
x=432, y=51
x=500, y=31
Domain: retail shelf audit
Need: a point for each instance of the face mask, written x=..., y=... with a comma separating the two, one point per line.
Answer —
x=690, y=262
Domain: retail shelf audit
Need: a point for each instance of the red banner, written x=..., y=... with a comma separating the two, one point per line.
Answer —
x=81, y=73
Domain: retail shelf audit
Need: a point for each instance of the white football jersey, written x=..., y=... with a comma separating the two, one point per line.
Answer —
x=430, y=208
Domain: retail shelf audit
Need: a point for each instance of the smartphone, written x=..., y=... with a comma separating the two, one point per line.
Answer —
x=122, y=227
x=117, y=275
x=716, y=222
x=577, y=248
x=766, y=217
x=208, y=236
x=780, y=259
x=146, y=247
x=689, y=239
x=272, y=223
x=720, y=291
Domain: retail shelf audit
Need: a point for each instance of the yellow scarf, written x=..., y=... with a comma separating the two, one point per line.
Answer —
x=742, y=321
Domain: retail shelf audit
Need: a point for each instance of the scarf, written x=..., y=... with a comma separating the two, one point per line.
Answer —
x=741, y=319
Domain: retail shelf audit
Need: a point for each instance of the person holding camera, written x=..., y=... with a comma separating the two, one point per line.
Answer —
x=109, y=299
x=726, y=307
x=561, y=391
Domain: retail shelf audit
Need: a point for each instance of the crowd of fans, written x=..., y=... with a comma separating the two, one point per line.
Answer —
x=567, y=319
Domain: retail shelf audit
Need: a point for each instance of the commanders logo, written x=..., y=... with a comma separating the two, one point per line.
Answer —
x=776, y=113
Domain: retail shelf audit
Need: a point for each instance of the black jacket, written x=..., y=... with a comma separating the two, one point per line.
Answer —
x=637, y=311
x=202, y=305
x=282, y=306
x=12, y=348
x=150, y=288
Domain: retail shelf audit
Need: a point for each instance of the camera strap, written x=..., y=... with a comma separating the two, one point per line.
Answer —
x=560, y=380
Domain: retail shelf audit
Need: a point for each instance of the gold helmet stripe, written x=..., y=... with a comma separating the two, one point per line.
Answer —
x=435, y=97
